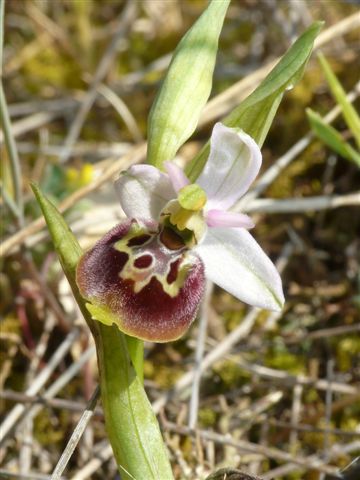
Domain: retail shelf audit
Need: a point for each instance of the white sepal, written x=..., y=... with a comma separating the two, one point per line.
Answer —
x=232, y=166
x=236, y=262
x=143, y=191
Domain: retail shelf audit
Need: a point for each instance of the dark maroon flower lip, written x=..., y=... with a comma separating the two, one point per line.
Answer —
x=146, y=279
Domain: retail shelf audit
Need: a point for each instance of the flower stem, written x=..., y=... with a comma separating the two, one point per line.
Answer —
x=136, y=351
x=131, y=425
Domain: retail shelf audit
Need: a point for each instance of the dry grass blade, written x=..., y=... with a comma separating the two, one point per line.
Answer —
x=124, y=23
x=200, y=347
x=11, y=150
x=292, y=205
x=76, y=435
x=33, y=122
x=280, y=472
x=308, y=463
x=58, y=403
x=223, y=347
x=290, y=380
x=86, y=471
x=123, y=110
x=18, y=411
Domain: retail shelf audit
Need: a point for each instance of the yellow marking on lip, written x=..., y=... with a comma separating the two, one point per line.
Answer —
x=128, y=272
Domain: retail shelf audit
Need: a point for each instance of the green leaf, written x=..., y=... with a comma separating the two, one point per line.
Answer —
x=255, y=114
x=131, y=425
x=66, y=245
x=186, y=87
x=331, y=137
x=351, y=117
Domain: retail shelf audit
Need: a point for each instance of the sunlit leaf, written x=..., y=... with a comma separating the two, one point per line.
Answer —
x=255, y=114
x=331, y=137
x=351, y=117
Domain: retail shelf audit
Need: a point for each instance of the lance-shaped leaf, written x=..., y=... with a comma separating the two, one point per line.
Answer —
x=349, y=112
x=331, y=137
x=255, y=114
x=131, y=425
x=186, y=87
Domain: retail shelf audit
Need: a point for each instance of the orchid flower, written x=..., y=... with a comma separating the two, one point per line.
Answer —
x=148, y=273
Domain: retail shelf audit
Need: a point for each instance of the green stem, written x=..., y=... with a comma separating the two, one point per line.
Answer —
x=136, y=352
x=133, y=430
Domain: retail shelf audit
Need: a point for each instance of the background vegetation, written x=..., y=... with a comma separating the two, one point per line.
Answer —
x=275, y=395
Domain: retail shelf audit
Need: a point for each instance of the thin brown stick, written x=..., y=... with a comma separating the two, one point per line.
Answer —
x=76, y=435
x=134, y=156
x=200, y=347
x=58, y=403
x=290, y=380
x=294, y=205
x=16, y=413
x=244, y=446
x=124, y=23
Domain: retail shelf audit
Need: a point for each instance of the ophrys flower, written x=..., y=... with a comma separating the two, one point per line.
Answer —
x=148, y=273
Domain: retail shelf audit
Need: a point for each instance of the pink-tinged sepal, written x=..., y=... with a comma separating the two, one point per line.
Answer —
x=146, y=280
x=177, y=176
x=221, y=218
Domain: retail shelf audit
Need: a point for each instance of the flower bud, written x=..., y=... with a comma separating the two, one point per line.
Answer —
x=186, y=87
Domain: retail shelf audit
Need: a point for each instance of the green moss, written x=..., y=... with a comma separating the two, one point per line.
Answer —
x=279, y=357
x=10, y=324
x=52, y=68
x=46, y=432
x=233, y=318
x=311, y=396
x=231, y=374
x=207, y=417
x=164, y=376
x=285, y=361
x=347, y=350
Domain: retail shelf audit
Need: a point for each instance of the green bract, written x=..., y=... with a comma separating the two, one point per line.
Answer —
x=186, y=87
x=255, y=114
